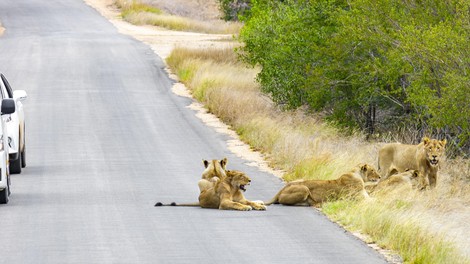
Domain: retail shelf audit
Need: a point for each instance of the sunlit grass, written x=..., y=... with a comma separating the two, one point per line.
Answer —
x=399, y=224
x=139, y=13
x=129, y=7
x=419, y=226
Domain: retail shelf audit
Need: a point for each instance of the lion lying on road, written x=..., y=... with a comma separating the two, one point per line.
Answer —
x=424, y=157
x=314, y=192
x=226, y=194
x=214, y=171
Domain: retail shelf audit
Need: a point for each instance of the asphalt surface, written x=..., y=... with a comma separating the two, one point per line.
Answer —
x=106, y=139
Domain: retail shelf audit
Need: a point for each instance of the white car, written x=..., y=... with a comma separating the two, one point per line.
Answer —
x=7, y=108
x=16, y=126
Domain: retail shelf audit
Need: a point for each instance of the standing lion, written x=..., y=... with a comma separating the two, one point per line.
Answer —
x=423, y=157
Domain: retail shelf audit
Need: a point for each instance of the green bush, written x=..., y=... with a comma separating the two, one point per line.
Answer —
x=377, y=65
x=232, y=9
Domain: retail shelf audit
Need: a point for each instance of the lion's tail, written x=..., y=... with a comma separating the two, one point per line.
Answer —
x=175, y=204
x=274, y=200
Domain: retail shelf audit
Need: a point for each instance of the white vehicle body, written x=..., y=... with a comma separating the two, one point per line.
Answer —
x=15, y=126
x=7, y=108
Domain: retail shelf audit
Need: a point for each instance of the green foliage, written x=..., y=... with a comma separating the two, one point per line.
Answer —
x=232, y=9
x=376, y=65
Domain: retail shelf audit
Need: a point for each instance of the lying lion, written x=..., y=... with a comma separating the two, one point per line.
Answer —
x=226, y=194
x=424, y=157
x=314, y=192
x=213, y=172
x=406, y=181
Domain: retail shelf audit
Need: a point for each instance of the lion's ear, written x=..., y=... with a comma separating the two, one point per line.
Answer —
x=364, y=167
x=415, y=174
x=443, y=142
x=393, y=171
x=223, y=162
x=206, y=163
x=426, y=140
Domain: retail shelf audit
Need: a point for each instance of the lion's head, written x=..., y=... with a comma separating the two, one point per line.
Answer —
x=214, y=168
x=434, y=149
x=238, y=179
x=369, y=173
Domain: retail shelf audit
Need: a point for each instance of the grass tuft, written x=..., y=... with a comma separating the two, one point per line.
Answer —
x=138, y=13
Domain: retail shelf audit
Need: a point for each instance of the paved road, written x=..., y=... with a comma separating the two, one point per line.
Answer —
x=106, y=139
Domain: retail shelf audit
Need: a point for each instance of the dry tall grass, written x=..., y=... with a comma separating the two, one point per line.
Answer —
x=139, y=13
x=420, y=226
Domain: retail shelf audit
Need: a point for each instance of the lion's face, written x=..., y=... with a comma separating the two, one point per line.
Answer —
x=434, y=149
x=240, y=181
x=369, y=173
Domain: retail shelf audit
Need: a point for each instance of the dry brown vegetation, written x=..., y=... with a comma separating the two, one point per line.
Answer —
x=140, y=13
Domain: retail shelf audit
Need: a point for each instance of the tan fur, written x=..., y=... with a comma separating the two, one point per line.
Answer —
x=424, y=157
x=213, y=172
x=405, y=181
x=226, y=194
x=314, y=192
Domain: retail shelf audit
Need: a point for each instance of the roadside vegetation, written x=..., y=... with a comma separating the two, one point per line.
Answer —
x=262, y=102
x=420, y=226
x=139, y=13
x=379, y=66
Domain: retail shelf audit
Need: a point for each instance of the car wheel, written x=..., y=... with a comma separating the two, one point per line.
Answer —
x=4, y=195
x=23, y=153
x=15, y=165
x=23, y=157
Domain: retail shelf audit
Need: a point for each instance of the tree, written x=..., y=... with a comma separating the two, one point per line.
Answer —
x=377, y=65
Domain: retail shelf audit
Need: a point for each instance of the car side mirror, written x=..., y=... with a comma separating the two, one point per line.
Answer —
x=20, y=95
x=8, y=106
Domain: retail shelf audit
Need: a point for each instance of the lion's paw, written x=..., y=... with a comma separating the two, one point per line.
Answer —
x=246, y=208
x=258, y=206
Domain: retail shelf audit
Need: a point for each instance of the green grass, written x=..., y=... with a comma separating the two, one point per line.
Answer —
x=132, y=7
x=394, y=226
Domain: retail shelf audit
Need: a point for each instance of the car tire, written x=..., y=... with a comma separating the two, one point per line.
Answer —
x=23, y=153
x=4, y=195
x=23, y=157
x=15, y=165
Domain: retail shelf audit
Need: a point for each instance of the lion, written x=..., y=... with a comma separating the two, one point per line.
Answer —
x=315, y=192
x=406, y=181
x=214, y=171
x=226, y=194
x=424, y=157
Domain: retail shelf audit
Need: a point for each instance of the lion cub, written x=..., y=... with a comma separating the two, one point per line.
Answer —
x=314, y=192
x=226, y=194
x=214, y=171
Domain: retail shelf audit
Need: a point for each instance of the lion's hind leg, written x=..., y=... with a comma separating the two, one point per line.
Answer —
x=204, y=185
x=296, y=195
